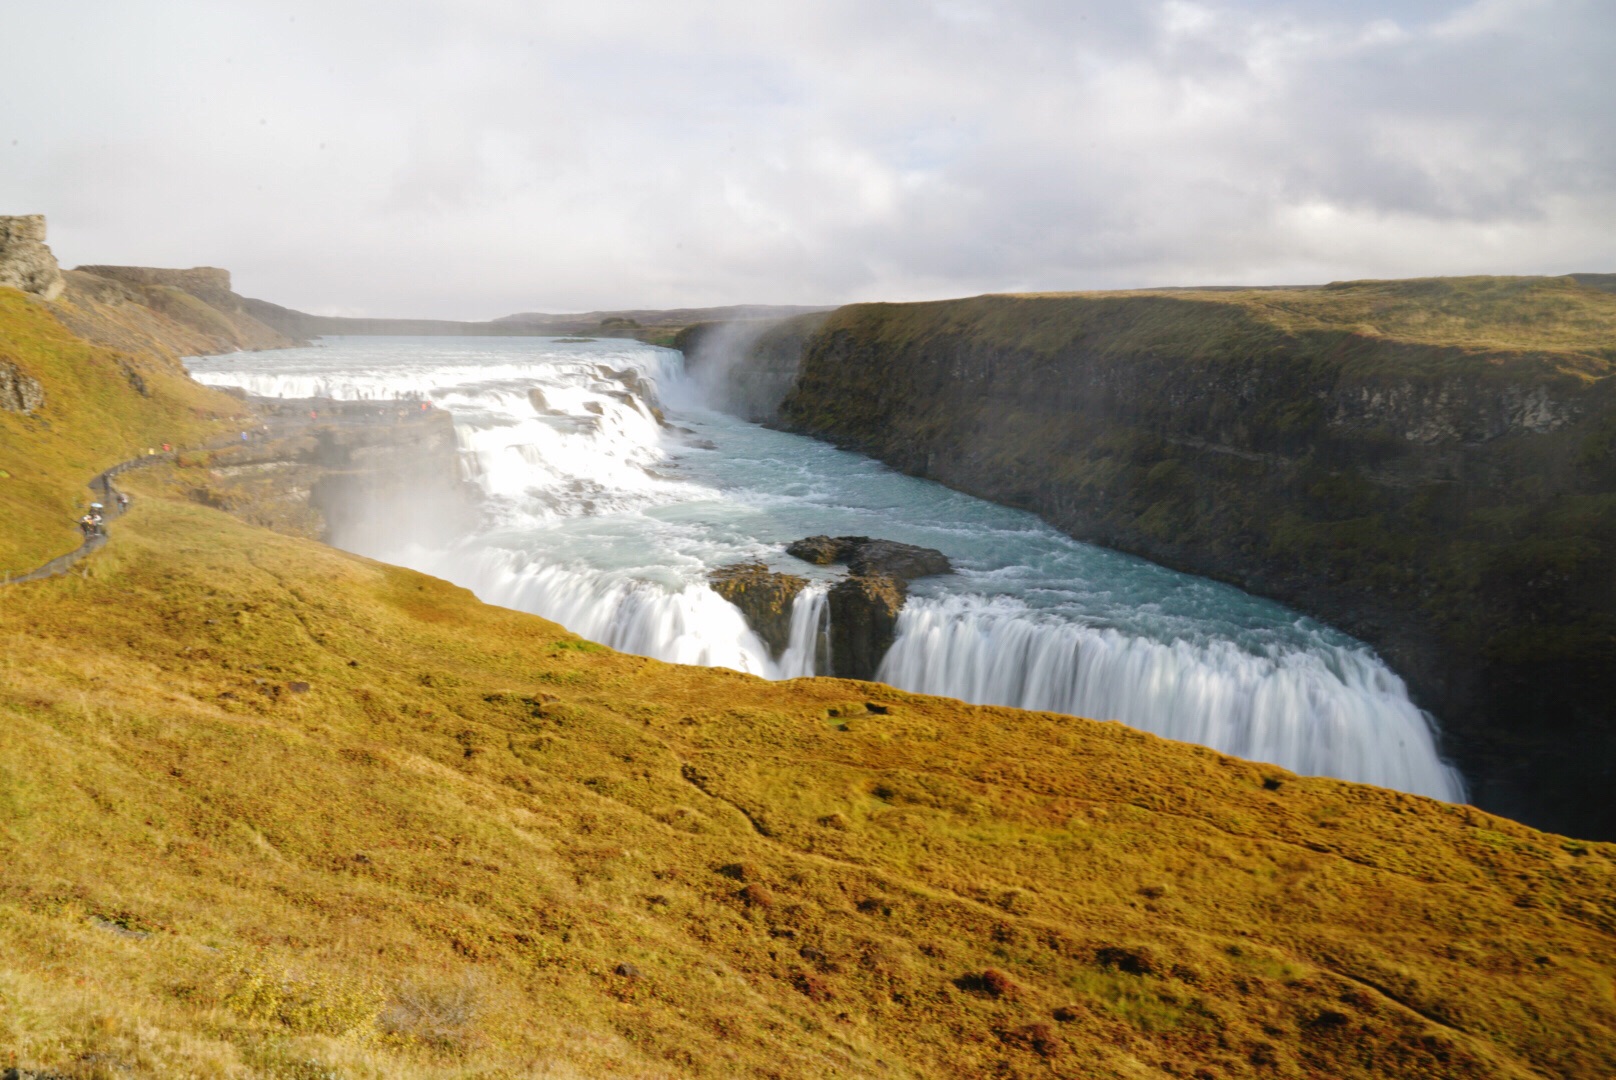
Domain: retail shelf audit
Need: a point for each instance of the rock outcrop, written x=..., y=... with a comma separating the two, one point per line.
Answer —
x=865, y=556
x=764, y=596
x=863, y=623
x=187, y=311
x=25, y=262
x=864, y=606
x=1430, y=465
x=354, y=475
x=19, y=391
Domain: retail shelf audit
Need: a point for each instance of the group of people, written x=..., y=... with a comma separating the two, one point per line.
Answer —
x=94, y=523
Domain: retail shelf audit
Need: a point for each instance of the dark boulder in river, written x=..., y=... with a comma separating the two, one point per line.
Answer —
x=863, y=622
x=865, y=556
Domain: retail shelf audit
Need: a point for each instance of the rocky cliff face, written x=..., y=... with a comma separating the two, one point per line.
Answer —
x=19, y=391
x=1452, y=503
x=350, y=473
x=25, y=262
x=189, y=312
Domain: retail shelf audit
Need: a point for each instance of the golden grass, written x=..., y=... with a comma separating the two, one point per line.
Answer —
x=1539, y=314
x=433, y=861
x=101, y=406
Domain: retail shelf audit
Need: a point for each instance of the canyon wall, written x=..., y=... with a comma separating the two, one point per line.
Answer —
x=350, y=473
x=1429, y=465
x=185, y=312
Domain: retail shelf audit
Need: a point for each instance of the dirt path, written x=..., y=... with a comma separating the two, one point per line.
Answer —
x=105, y=494
x=274, y=419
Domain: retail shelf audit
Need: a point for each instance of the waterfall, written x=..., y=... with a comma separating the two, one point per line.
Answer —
x=605, y=518
x=1327, y=710
x=688, y=624
x=808, y=651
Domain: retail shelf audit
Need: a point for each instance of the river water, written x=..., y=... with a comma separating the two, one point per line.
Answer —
x=607, y=521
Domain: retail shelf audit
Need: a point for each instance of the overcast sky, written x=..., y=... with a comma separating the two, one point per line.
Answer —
x=481, y=157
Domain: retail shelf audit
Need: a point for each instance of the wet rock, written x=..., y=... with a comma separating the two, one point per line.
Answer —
x=540, y=403
x=819, y=550
x=903, y=561
x=863, y=622
x=864, y=606
x=867, y=557
x=764, y=597
x=636, y=383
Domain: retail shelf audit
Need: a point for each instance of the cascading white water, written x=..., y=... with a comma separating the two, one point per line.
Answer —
x=1330, y=709
x=603, y=519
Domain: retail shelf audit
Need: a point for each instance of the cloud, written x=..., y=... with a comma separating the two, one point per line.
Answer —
x=474, y=159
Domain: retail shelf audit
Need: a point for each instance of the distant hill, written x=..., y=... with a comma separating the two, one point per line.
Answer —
x=657, y=327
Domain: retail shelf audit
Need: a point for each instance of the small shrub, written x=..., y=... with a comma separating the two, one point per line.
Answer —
x=316, y=1003
x=756, y=896
x=440, y=1015
x=991, y=983
x=1131, y=960
x=811, y=986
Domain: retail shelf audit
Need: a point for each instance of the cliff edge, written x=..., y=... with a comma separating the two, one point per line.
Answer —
x=25, y=262
x=1430, y=465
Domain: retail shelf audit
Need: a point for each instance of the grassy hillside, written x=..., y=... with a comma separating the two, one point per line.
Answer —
x=102, y=405
x=1430, y=464
x=1560, y=314
x=267, y=809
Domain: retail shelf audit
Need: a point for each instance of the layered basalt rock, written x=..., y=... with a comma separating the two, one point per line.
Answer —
x=198, y=302
x=863, y=623
x=353, y=474
x=764, y=596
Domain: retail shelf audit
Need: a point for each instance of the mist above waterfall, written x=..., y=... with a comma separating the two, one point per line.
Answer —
x=606, y=513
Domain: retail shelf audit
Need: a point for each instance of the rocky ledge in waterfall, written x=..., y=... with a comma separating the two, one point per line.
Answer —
x=864, y=606
x=764, y=597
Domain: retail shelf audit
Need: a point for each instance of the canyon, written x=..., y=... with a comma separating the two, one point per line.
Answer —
x=1430, y=465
